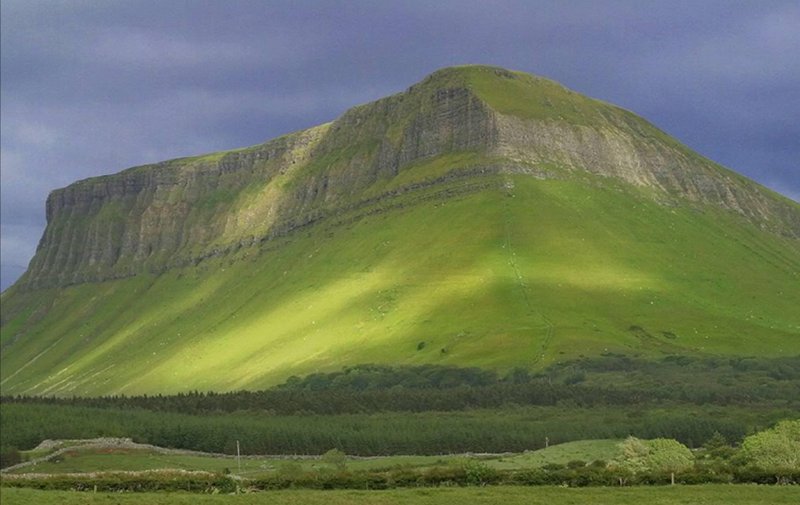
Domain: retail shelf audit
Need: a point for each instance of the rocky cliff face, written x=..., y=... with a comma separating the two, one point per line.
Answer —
x=157, y=215
x=647, y=162
x=154, y=217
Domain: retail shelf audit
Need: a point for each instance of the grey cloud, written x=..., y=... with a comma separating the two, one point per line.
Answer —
x=155, y=51
x=17, y=245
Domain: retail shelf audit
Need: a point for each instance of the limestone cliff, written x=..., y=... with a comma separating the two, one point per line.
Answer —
x=155, y=217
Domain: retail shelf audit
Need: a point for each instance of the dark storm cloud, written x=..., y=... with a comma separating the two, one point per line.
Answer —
x=93, y=87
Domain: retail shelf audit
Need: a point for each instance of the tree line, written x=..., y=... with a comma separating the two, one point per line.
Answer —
x=428, y=433
x=609, y=380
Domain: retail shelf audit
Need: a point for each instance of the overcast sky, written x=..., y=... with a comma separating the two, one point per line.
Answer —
x=93, y=87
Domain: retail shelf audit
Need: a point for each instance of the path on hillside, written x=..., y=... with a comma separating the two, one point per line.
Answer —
x=520, y=279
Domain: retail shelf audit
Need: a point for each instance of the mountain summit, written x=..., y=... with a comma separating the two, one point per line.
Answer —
x=482, y=217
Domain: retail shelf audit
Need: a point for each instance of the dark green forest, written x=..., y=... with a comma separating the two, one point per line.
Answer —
x=513, y=430
x=378, y=410
x=611, y=380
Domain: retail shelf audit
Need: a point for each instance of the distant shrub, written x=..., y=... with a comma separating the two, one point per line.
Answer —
x=776, y=448
x=576, y=463
x=335, y=458
x=480, y=474
x=756, y=475
x=9, y=457
x=657, y=455
x=575, y=378
x=196, y=482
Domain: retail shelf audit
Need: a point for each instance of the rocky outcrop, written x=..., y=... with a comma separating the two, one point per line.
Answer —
x=155, y=217
x=642, y=157
x=158, y=216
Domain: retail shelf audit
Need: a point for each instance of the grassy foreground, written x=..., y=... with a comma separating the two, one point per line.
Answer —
x=707, y=494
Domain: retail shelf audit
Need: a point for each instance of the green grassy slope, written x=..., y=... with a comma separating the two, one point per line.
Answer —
x=416, y=254
x=547, y=271
x=580, y=450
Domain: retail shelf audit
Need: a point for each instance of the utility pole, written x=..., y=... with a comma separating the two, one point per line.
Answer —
x=238, y=457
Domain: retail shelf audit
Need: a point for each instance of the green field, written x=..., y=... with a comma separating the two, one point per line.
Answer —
x=580, y=450
x=688, y=495
x=84, y=460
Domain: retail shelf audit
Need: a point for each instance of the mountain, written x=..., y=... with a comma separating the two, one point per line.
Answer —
x=483, y=217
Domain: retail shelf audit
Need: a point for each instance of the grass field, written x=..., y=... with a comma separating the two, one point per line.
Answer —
x=84, y=460
x=679, y=495
x=581, y=450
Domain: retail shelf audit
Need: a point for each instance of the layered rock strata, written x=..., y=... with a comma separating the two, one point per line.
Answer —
x=154, y=217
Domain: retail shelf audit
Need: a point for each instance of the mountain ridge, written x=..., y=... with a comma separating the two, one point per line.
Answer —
x=482, y=217
x=454, y=110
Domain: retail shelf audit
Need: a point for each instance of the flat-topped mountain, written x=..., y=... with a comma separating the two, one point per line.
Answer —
x=482, y=217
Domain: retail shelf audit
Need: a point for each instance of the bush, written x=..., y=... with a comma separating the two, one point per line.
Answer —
x=479, y=474
x=135, y=482
x=533, y=477
x=706, y=474
x=756, y=475
x=336, y=459
x=776, y=448
x=660, y=455
x=576, y=463
x=9, y=457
